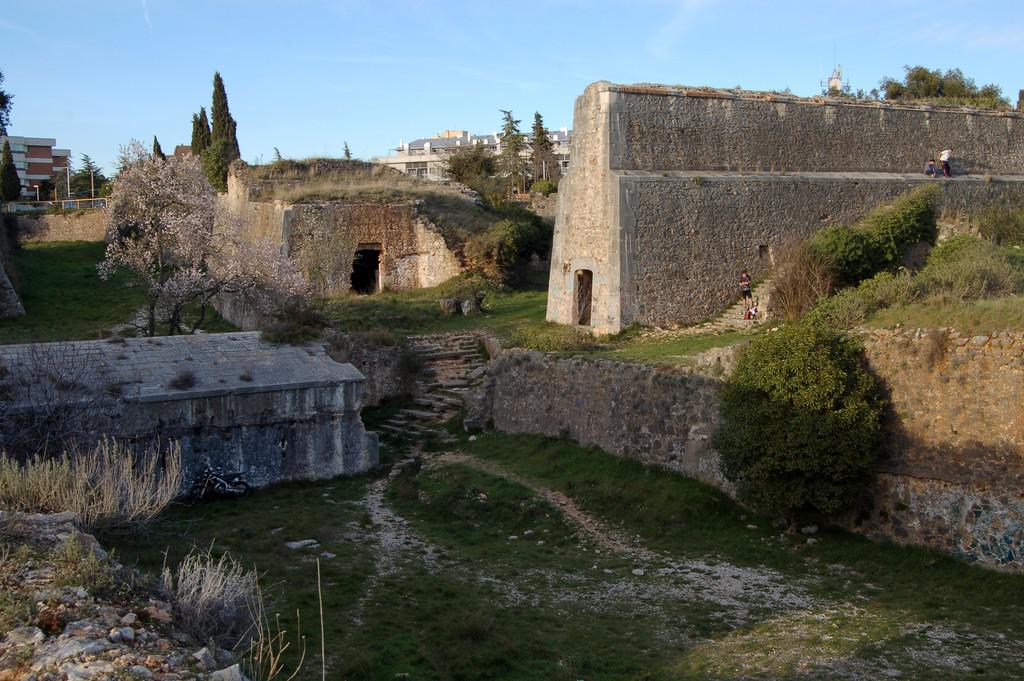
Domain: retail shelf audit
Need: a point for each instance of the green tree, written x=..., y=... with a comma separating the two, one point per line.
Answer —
x=223, y=126
x=89, y=180
x=1020, y=101
x=157, y=151
x=5, y=108
x=348, y=154
x=10, y=185
x=470, y=164
x=200, y=132
x=545, y=165
x=952, y=87
x=216, y=160
x=511, y=164
x=800, y=422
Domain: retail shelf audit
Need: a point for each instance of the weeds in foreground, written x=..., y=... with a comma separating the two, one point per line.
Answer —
x=214, y=598
x=108, y=487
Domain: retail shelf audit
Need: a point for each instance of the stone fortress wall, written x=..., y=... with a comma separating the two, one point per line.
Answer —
x=323, y=238
x=953, y=478
x=674, y=190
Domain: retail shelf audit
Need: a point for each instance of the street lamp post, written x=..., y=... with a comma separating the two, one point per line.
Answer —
x=36, y=187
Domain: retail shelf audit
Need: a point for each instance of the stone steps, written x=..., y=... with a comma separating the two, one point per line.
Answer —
x=453, y=364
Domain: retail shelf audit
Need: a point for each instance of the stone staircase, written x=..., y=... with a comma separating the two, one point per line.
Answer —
x=733, y=317
x=453, y=364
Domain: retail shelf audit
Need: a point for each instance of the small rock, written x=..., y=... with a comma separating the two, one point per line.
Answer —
x=606, y=571
x=812, y=541
x=327, y=555
x=126, y=633
x=540, y=542
x=751, y=527
x=809, y=529
x=129, y=619
x=205, y=658
x=232, y=673
x=22, y=635
x=513, y=537
x=472, y=438
x=527, y=533
x=638, y=572
x=302, y=544
x=81, y=593
x=141, y=672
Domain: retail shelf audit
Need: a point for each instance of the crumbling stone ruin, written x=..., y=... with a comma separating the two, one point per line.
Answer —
x=342, y=244
x=674, y=190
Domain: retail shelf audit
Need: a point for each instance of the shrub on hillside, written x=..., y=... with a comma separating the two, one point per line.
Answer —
x=296, y=324
x=800, y=422
x=543, y=186
x=852, y=306
x=501, y=252
x=1002, y=225
x=877, y=241
x=553, y=338
x=108, y=487
x=967, y=268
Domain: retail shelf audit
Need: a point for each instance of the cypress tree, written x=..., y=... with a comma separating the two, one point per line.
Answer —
x=10, y=185
x=157, y=151
x=200, y=132
x=348, y=154
x=510, y=160
x=544, y=165
x=223, y=124
x=1020, y=101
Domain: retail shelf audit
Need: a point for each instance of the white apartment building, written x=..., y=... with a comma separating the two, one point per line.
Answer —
x=36, y=160
x=425, y=157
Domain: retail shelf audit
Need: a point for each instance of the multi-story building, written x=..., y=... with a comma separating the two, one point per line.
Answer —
x=425, y=157
x=36, y=159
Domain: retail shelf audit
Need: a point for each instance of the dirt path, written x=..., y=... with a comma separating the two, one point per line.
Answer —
x=600, y=533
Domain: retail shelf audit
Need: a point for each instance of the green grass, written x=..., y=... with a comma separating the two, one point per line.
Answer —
x=980, y=316
x=550, y=605
x=65, y=298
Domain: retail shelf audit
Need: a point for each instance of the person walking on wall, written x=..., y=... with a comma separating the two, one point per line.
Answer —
x=745, y=287
x=944, y=159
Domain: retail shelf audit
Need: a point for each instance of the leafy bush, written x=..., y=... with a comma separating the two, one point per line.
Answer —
x=108, y=487
x=544, y=187
x=800, y=427
x=852, y=306
x=1002, y=225
x=967, y=268
x=500, y=251
x=877, y=242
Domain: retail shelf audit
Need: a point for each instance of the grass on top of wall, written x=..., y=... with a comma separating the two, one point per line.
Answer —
x=65, y=298
x=979, y=316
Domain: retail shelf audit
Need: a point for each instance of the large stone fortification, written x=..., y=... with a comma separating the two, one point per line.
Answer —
x=399, y=248
x=673, y=191
x=952, y=477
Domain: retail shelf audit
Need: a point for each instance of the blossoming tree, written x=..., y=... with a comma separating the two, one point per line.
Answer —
x=163, y=228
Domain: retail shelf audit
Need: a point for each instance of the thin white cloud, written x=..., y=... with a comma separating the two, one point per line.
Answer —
x=663, y=42
x=145, y=14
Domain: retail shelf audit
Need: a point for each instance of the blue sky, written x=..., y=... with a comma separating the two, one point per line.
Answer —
x=307, y=76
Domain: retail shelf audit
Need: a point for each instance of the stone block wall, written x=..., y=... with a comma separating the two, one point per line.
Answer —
x=324, y=237
x=684, y=238
x=673, y=191
x=271, y=412
x=679, y=128
x=10, y=303
x=953, y=476
x=657, y=416
x=83, y=225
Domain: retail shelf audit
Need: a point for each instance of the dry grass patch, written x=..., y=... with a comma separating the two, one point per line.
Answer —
x=108, y=487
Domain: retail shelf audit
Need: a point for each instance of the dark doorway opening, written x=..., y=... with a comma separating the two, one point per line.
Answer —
x=366, y=270
x=584, y=296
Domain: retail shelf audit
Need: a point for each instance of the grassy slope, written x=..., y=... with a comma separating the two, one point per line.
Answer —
x=65, y=299
x=454, y=619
